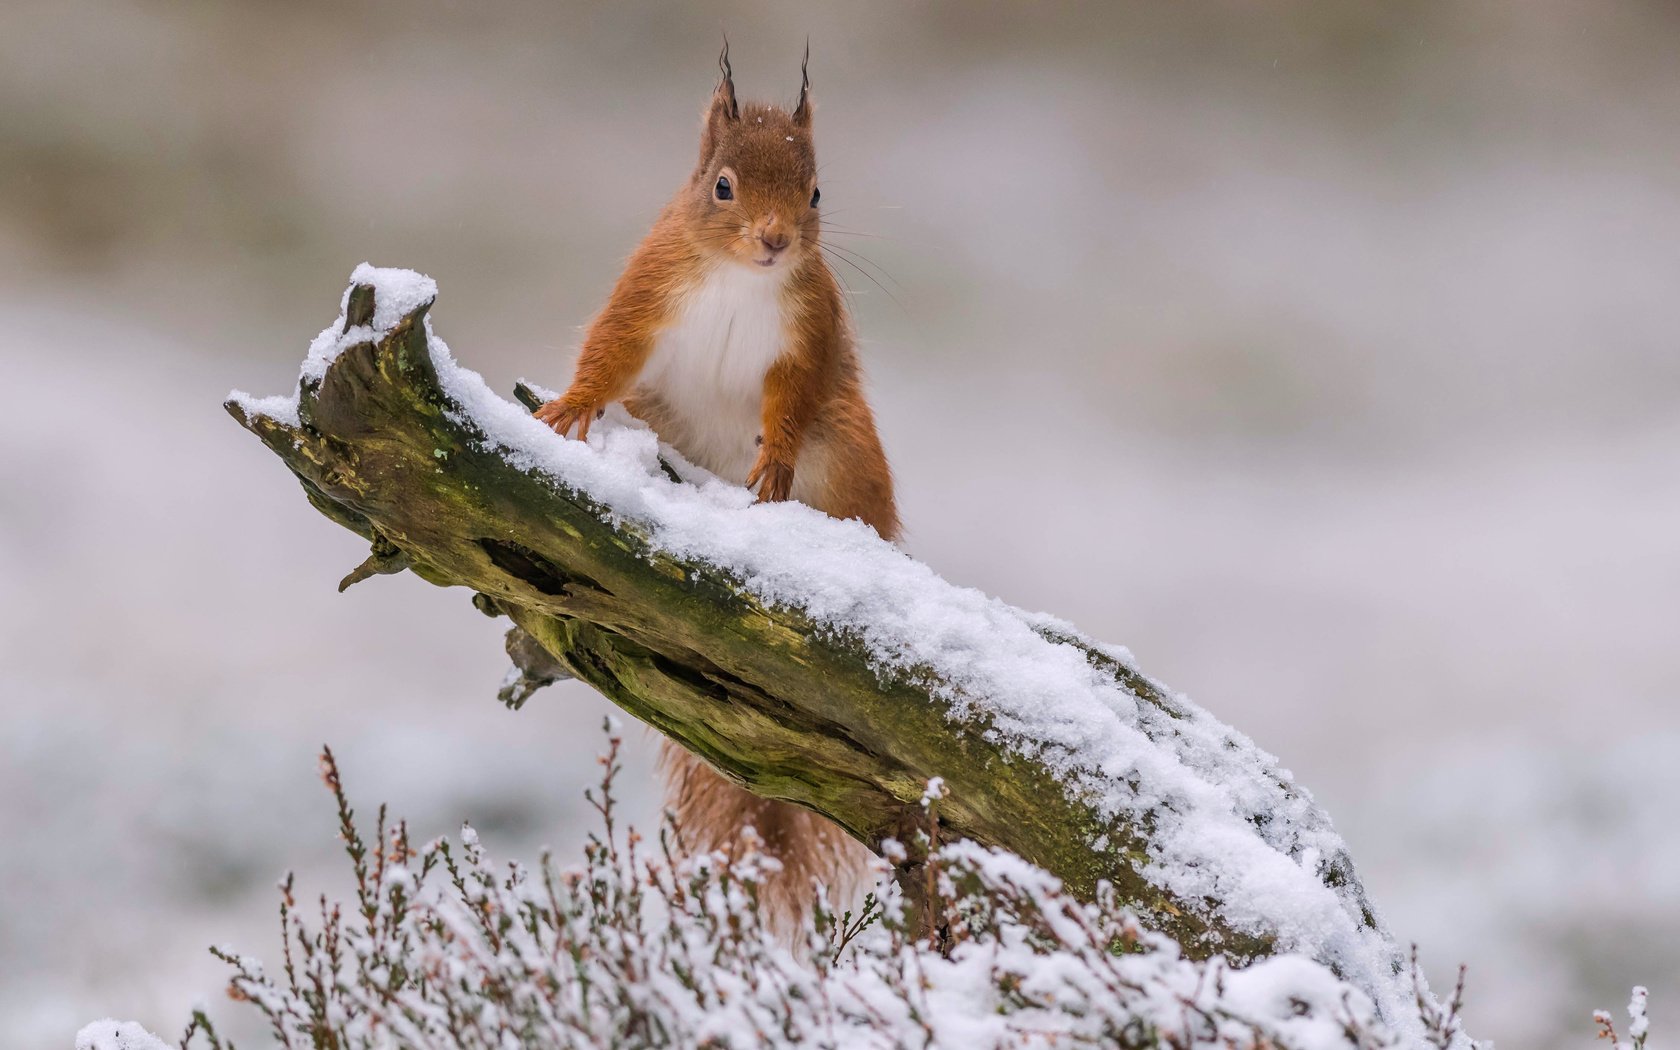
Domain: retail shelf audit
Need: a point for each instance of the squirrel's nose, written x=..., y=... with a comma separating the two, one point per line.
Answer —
x=774, y=238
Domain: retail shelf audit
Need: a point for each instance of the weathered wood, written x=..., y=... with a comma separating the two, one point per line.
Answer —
x=788, y=710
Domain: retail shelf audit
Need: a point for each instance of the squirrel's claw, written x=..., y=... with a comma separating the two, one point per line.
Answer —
x=772, y=479
x=562, y=416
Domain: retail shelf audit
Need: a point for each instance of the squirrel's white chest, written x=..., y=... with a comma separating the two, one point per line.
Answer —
x=708, y=365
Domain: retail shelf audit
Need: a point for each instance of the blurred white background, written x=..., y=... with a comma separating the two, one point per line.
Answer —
x=1326, y=355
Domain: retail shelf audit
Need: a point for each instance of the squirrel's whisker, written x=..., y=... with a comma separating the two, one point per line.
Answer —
x=863, y=259
x=884, y=289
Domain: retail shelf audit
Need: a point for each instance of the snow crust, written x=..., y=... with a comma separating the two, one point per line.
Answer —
x=1230, y=823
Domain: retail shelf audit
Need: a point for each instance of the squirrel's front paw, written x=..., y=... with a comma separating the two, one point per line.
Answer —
x=772, y=478
x=563, y=415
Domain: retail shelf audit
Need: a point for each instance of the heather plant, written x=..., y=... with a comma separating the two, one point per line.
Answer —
x=1638, y=1023
x=639, y=945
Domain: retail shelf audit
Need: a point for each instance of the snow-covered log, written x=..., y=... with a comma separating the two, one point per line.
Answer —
x=809, y=660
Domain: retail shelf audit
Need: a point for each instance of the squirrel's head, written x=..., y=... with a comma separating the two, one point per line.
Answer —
x=753, y=197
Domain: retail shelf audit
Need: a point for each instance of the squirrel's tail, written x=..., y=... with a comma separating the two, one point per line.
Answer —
x=710, y=813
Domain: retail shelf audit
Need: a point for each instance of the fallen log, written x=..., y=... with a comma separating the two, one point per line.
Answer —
x=807, y=659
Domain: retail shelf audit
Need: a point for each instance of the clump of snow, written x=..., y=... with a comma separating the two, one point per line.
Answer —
x=1639, y=1024
x=1229, y=823
x=279, y=407
x=117, y=1035
x=397, y=293
x=935, y=791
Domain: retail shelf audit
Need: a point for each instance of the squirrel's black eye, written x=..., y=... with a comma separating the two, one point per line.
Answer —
x=816, y=195
x=724, y=191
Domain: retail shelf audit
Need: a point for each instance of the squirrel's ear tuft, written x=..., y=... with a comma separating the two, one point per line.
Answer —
x=720, y=111
x=724, y=105
x=802, y=112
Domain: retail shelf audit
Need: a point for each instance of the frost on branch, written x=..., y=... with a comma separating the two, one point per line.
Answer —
x=809, y=660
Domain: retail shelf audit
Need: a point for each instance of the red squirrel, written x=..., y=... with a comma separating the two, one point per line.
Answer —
x=728, y=335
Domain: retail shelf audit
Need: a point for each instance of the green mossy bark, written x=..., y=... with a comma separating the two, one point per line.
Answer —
x=787, y=710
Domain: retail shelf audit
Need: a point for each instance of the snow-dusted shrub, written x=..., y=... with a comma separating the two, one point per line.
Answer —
x=442, y=948
x=1638, y=1023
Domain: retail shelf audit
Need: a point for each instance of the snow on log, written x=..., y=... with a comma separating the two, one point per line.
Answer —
x=808, y=659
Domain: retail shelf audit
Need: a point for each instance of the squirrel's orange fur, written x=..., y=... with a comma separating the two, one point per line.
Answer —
x=728, y=335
